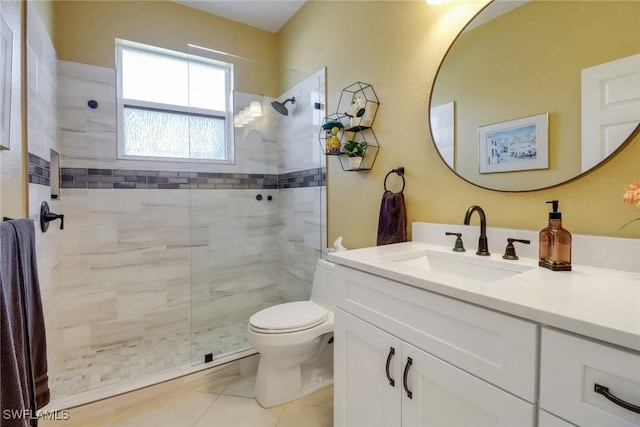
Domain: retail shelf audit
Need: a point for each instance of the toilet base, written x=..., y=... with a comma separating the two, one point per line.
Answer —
x=287, y=393
x=277, y=384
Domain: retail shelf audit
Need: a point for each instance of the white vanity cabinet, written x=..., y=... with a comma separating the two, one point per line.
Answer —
x=571, y=368
x=405, y=357
x=525, y=347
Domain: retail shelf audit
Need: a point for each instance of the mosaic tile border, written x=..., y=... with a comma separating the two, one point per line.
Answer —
x=39, y=170
x=40, y=173
x=163, y=180
x=166, y=180
x=305, y=178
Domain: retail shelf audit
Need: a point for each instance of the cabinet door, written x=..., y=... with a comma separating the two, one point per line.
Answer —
x=363, y=394
x=443, y=395
x=573, y=372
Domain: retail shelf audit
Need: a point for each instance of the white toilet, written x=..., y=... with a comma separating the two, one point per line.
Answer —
x=295, y=342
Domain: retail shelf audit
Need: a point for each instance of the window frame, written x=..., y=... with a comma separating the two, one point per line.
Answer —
x=122, y=103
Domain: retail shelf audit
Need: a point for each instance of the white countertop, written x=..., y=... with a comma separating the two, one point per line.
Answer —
x=595, y=302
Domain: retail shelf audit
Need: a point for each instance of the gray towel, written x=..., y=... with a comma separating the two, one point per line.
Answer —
x=26, y=232
x=24, y=379
x=15, y=386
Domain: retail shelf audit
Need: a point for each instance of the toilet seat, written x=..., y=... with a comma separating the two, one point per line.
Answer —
x=288, y=317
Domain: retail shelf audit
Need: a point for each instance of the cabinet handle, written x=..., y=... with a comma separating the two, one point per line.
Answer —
x=600, y=389
x=404, y=378
x=392, y=351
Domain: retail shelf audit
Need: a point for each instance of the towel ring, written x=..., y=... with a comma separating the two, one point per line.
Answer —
x=400, y=172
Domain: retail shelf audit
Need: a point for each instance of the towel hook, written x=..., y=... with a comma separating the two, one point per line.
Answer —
x=400, y=172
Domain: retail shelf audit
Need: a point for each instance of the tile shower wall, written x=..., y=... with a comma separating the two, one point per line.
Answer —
x=301, y=239
x=42, y=138
x=302, y=209
x=151, y=248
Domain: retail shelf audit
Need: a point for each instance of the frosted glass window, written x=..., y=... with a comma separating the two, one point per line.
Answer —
x=151, y=133
x=173, y=106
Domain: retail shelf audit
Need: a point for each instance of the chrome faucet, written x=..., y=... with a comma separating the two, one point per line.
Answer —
x=483, y=244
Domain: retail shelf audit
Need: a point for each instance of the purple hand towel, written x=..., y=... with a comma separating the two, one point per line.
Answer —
x=392, y=224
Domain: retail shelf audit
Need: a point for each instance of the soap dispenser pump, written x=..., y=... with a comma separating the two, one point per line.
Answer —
x=555, y=243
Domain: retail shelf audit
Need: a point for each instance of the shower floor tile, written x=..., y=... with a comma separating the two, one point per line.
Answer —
x=81, y=372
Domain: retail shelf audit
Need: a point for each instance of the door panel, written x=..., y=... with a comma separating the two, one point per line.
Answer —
x=443, y=395
x=363, y=393
x=610, y=107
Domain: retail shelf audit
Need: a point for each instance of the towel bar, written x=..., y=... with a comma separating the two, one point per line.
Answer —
x=400, y=172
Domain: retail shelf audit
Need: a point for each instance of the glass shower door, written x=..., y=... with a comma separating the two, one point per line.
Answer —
x=246, y=252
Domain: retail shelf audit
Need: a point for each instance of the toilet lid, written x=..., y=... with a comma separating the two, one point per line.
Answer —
x=288, y=317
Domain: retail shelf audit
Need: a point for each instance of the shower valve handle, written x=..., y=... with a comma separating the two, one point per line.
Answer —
x=46, y=216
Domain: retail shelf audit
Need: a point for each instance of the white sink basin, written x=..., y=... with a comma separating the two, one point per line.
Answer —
x=472, y=267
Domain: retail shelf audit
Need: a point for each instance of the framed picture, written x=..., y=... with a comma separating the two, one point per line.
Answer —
x=6, y=55
x=515, y=145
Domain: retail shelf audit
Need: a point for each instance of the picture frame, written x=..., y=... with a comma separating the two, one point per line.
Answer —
x=515, y=145
x=6, y=57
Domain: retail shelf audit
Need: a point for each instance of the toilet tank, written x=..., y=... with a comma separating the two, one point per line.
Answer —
x=323, y=289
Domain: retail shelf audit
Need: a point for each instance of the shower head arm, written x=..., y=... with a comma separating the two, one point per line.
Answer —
x=280, y=107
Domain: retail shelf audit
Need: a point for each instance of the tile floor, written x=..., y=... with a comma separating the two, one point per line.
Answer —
x=226, y=405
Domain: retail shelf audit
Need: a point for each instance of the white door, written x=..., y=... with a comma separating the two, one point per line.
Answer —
x=610, y=107
x=443, y=130
x=366, y=361
x=443, y=395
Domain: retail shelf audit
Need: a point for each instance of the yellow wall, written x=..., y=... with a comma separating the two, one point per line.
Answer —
x=84, y=31
x=526, y=63
x=397, y=47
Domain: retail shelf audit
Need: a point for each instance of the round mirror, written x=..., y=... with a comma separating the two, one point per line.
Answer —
x=535, y=93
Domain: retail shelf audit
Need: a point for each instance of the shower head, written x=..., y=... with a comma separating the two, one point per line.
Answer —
x=280, y=106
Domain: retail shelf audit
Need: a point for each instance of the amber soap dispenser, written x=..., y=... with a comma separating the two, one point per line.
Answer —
x=555, y=243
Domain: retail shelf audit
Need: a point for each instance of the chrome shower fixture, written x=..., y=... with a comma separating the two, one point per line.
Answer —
x=280, y=106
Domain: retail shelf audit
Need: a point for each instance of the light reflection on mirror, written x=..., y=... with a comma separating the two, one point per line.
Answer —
x=527, y=62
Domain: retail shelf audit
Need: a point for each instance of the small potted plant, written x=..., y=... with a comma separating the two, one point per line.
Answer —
x=356, y=111
x=355, y=150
